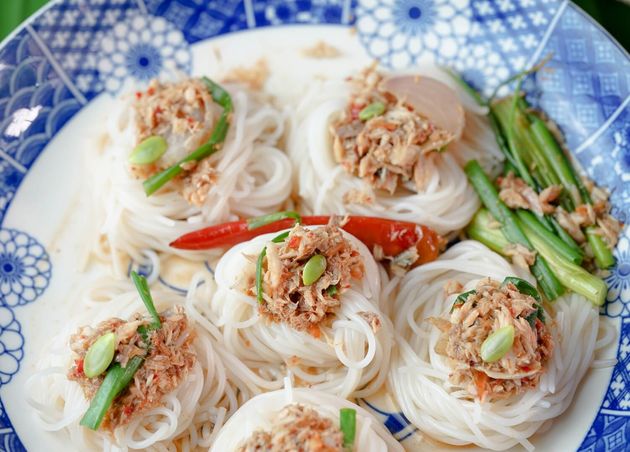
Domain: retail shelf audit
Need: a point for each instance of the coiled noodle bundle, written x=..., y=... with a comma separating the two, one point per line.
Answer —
x=419, y=376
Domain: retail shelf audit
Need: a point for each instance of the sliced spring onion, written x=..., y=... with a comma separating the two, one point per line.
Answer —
x=523, y=287
x=117, y=379
x=332, y=290
x=372, y=110
x=148, y=150
x=143, y=289
x=259, y=275
x=100, y=355
x=461, y=298
x=348, y=425
x=314, y=269
x=497, y=344
x=264, y=220
x=259, y=265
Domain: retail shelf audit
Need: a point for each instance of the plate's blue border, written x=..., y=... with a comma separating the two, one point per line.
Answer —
x=70, y=52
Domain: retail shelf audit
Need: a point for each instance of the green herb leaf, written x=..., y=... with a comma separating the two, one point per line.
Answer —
x=332, y=290
x=539, y=313
x=523, y=287
x=148, y=150
x=461, y=299
x=372, y=110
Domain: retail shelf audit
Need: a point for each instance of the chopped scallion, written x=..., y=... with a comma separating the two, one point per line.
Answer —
x=264, y=220
x=100, y=355
x=497, y=344
x=348, y=425
x=259, y=265
x=313, y=269
x=148, y=150
x=371, y=111
x=145, y=294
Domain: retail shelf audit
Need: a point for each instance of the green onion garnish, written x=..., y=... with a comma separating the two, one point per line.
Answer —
x=348, y=425
x=372, y=110
x=100, y=355
x=332, y=290
x=222, y=98
x=148, y=150
x=116, y=380
x=313, y=269
x=264, y=220
x=143, y=289
x=259, y=264
x=497, y=344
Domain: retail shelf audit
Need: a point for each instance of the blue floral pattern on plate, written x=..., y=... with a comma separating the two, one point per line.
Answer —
x=400, y=32
x=619, y=280
x=77, y=49
x=139, y=49
x=25, y=268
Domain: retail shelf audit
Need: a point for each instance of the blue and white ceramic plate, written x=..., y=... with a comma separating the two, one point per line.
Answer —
x=59, y=71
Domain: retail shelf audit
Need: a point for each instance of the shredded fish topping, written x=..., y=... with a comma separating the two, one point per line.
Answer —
x=516, y=194
x=390, y=148
x=490, y=308
x=297, y=428
x=184, y=114
x=170, y=357
x=305, y=307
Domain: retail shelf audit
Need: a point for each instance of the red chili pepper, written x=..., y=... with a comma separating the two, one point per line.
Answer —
x=79, y=364
x=392, y=236
x=294, y=242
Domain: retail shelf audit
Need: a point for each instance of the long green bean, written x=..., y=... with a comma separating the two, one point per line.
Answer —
x=548, y=282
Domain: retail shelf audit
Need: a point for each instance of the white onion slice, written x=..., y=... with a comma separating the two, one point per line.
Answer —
x=430, y=98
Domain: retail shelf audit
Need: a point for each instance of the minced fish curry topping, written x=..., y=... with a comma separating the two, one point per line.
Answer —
x=381, y=139
x=287, y=294
x=490, y=308
x=169, y=357
x=297, y=428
